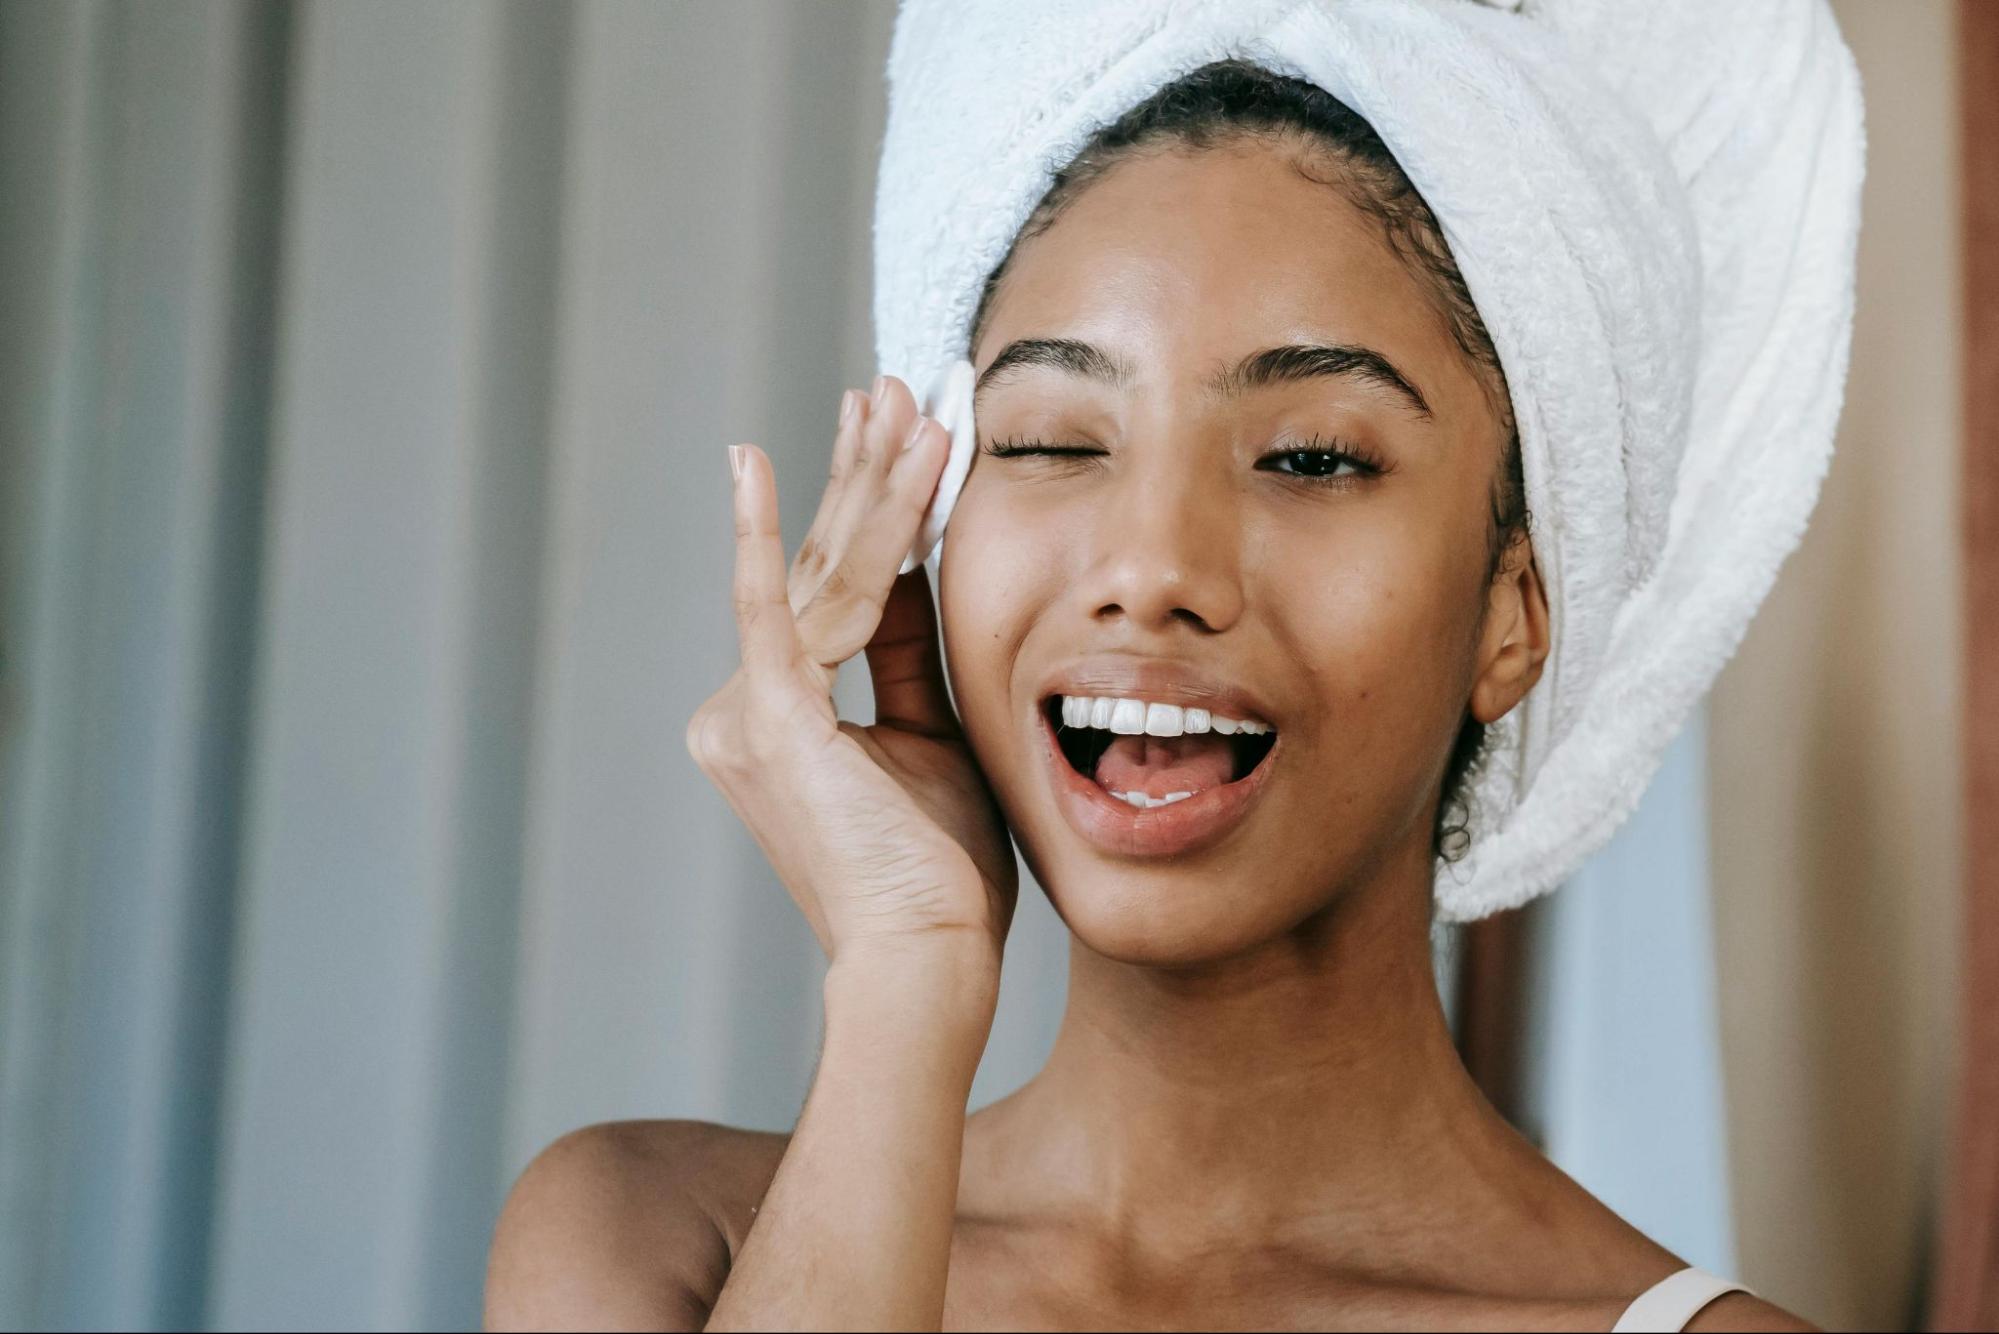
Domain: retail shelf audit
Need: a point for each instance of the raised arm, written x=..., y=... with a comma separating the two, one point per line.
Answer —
x=890, y=842
x=855, y=1232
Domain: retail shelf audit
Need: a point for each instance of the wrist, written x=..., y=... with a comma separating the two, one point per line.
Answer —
x=957, y=967
x=935, y=998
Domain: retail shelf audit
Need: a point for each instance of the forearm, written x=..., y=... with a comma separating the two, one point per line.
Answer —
x=855, y=1230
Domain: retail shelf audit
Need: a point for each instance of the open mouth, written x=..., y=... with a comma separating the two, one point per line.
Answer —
x=1149, y=754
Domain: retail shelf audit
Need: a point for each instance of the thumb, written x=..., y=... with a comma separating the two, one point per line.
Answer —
x=906, y=662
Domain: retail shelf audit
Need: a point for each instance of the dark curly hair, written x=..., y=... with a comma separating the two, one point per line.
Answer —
x=1233, y=100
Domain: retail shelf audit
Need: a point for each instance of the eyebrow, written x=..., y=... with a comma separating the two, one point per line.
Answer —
x=1304, y=361
x=1289, y=364
x=1062, y=354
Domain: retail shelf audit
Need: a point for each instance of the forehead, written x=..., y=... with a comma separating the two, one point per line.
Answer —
x=1186, y=255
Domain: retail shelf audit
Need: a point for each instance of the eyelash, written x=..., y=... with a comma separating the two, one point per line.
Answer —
x=1364, y=463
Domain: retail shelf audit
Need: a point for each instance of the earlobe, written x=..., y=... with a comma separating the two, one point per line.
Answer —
x=1515, y=641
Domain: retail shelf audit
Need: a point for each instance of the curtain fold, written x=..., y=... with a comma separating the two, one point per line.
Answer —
x=137, y=242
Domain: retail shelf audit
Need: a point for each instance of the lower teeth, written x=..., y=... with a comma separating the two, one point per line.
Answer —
x=1140, y=800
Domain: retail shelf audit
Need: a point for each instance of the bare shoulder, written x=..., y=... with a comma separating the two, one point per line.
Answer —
x=1740, y=1311
x=627, y=1225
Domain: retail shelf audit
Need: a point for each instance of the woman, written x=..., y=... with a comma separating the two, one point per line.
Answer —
x=1239, y=579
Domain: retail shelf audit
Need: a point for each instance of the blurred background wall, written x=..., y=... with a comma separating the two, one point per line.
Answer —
x=365, y=372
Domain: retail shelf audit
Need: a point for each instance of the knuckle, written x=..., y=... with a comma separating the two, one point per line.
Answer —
x=715, y=732
x=845, y=592
x=697, y=743
x=811, y=558
x=838, y=585
x=704, y=736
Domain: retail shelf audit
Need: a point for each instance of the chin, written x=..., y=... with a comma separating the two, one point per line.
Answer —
x=1181, y=915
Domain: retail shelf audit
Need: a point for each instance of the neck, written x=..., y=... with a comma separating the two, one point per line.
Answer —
x=1252, y=1095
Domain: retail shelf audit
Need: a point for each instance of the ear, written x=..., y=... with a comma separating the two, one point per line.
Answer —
x=1513, y=643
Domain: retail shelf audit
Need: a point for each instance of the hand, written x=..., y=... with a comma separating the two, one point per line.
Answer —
x=886, y=836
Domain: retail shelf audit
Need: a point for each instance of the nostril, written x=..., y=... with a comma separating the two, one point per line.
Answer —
x=1185, y=614
x=1192, y=617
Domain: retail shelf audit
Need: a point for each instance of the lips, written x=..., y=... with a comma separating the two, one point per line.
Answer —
x=1116, y=827
x=1122, y=815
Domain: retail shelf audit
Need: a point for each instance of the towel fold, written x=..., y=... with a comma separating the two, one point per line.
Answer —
x=1654, y=206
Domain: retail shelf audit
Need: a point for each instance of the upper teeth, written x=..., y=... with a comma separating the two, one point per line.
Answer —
x=1134, y=716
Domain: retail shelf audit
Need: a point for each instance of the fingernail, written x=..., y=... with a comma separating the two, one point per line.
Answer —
x=847, y=398
x=736, y=456
x=881, y=383
x=915, y=429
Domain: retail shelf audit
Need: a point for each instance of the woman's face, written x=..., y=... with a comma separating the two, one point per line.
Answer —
x=1204, y=541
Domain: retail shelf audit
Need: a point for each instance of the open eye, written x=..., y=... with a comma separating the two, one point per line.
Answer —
x=1310, y=462
x=1322, y=461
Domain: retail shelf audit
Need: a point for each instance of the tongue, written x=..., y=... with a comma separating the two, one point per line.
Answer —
x=1160, y=765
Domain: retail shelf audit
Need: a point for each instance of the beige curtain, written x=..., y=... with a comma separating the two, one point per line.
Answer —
x=1836, y=760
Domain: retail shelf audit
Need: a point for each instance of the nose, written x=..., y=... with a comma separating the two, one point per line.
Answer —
x=1166, y=549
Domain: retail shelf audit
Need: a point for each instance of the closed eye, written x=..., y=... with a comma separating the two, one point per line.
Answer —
x=1008, y=449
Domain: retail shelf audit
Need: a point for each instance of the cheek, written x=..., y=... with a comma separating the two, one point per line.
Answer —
x=1005, y=553
x=1386, y=623
x=1385, y=635
x=993, y=584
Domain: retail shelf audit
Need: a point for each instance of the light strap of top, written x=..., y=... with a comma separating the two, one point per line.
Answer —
x=1670, y=1303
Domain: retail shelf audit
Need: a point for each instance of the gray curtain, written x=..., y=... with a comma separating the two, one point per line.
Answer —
x=365, y=375
x=368, y=371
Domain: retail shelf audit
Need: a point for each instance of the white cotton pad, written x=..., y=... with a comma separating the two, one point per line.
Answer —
x=949, y=400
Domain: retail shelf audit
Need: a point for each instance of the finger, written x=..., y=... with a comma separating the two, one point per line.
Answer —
x=817, y=552
x=844, y=612
x=765, y=629
x=889, y=419
x=883, y=537
x=906, y=663
x=855, y=408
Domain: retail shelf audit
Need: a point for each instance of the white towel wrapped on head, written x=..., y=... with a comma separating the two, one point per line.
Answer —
x=1654, y=206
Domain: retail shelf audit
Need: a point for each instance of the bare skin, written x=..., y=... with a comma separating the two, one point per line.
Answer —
x=1253, y=1115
